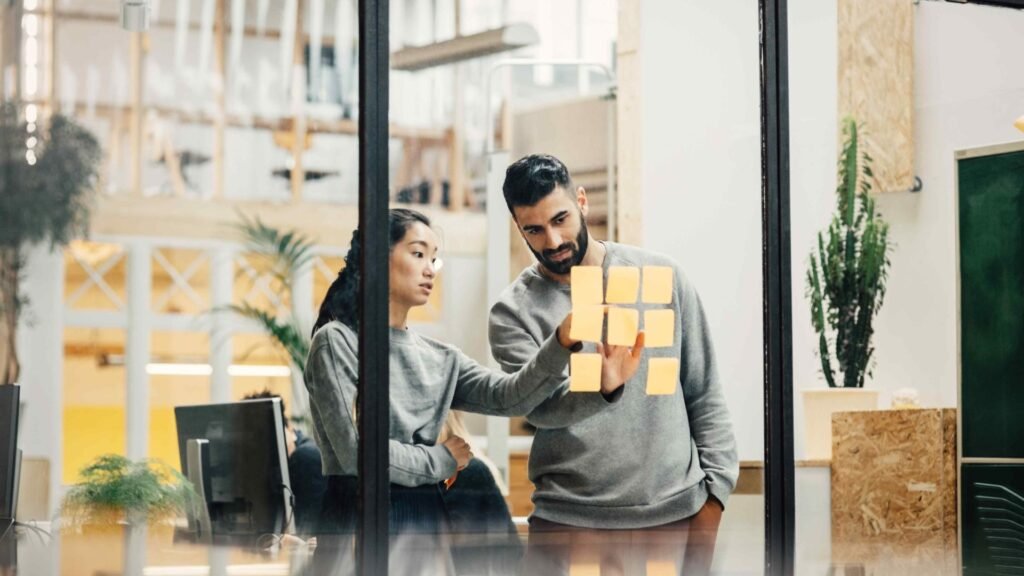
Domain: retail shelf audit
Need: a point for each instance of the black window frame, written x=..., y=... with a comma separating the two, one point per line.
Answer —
x=372, y=547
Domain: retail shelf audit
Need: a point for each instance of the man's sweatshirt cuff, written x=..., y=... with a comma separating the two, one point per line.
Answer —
x=718, y=489
x=552, y=356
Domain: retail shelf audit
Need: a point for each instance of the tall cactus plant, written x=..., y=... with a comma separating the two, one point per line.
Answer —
x=848, y=271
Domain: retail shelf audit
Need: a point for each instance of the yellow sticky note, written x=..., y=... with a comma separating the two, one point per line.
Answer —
x=587, y=323
x=584, y=569
x=659, y=327
x=623, y=324
x=657, y=285
x=623, y=284
x=585, y=373
x=586, y=284
x=662, y=376
x=661, y=568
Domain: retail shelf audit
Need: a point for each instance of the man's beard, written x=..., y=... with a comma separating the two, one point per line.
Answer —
x=577, y=251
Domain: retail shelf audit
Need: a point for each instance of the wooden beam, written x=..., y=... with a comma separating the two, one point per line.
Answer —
x=10, y=50
x=434, y=136
x=220, y=90
x=114, y=20
x=50, y=37
x=5, y=38
x=137, y=39
x=456, y=154
x=298, y=173
x=123, y=215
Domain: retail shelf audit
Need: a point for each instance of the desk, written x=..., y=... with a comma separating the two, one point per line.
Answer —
x=115, y=551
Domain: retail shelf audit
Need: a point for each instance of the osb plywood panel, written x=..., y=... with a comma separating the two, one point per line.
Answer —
x=949, y=477
x=876, y=83
x=893, y=478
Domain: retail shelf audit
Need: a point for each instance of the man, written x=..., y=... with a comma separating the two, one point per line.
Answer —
x=618, y=459
x=304, y=470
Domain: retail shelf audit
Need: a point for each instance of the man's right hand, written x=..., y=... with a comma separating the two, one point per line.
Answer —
x=619, y=363
x=459, y=450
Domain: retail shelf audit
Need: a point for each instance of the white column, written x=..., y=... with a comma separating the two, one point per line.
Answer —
x=222, y=267
x=135, y=547
x=498, y=256
x=41, y=353
x=302, y=313
x=220, y=558
x=137, y=348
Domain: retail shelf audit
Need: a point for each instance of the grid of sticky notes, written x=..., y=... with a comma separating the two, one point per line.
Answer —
x=594, y=304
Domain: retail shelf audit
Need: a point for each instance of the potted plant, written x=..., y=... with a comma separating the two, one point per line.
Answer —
x=846, y=286
x=115, y=491
x=285, y=253
x=45, y=196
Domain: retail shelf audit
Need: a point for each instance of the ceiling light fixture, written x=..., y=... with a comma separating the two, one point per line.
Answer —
x=238, y=370
x=467, y=47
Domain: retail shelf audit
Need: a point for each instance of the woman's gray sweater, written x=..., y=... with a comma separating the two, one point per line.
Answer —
x=427, y=379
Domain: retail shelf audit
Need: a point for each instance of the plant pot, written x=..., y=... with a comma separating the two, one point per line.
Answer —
x=115, y=546
x=819, y=405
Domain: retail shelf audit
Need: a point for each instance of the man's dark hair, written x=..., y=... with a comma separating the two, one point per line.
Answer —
x=266, y=393
x=531, y=178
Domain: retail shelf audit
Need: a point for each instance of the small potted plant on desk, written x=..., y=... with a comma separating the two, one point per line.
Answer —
x=116, y=493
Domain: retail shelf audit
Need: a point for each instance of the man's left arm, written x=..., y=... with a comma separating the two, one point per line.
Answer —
x=710, y=423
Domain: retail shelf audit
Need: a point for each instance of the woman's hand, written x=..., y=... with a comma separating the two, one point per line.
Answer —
x=459, y=450
x=619, y=363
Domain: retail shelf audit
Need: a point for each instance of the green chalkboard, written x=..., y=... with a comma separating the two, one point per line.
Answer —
x=991, y=225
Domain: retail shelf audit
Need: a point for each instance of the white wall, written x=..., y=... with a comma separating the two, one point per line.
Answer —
x=701, y=178
x=41, y=353
x=701, y=174
x=966, y=95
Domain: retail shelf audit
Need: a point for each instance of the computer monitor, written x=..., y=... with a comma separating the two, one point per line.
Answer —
x=245, y=465
x=9, y=407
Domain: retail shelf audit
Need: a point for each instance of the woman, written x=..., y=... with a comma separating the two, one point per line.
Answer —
x=428, y=378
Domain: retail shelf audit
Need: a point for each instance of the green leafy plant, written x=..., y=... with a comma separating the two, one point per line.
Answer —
x=115, y=489
x=285, y=252
x=286, y=333
x=848, y=271
x=45, y=196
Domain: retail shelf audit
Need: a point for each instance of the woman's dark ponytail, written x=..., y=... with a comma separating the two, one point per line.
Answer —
x=340, y=302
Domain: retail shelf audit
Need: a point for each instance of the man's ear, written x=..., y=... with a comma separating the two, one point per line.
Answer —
x=581, y=200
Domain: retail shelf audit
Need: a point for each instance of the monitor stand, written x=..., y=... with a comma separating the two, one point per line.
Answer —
x=197, y=457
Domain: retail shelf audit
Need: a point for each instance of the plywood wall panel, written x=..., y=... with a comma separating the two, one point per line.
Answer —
x=876, y=83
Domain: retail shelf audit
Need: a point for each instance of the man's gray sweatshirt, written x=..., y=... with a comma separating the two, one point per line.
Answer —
x=631, y=461
x=427, y=378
